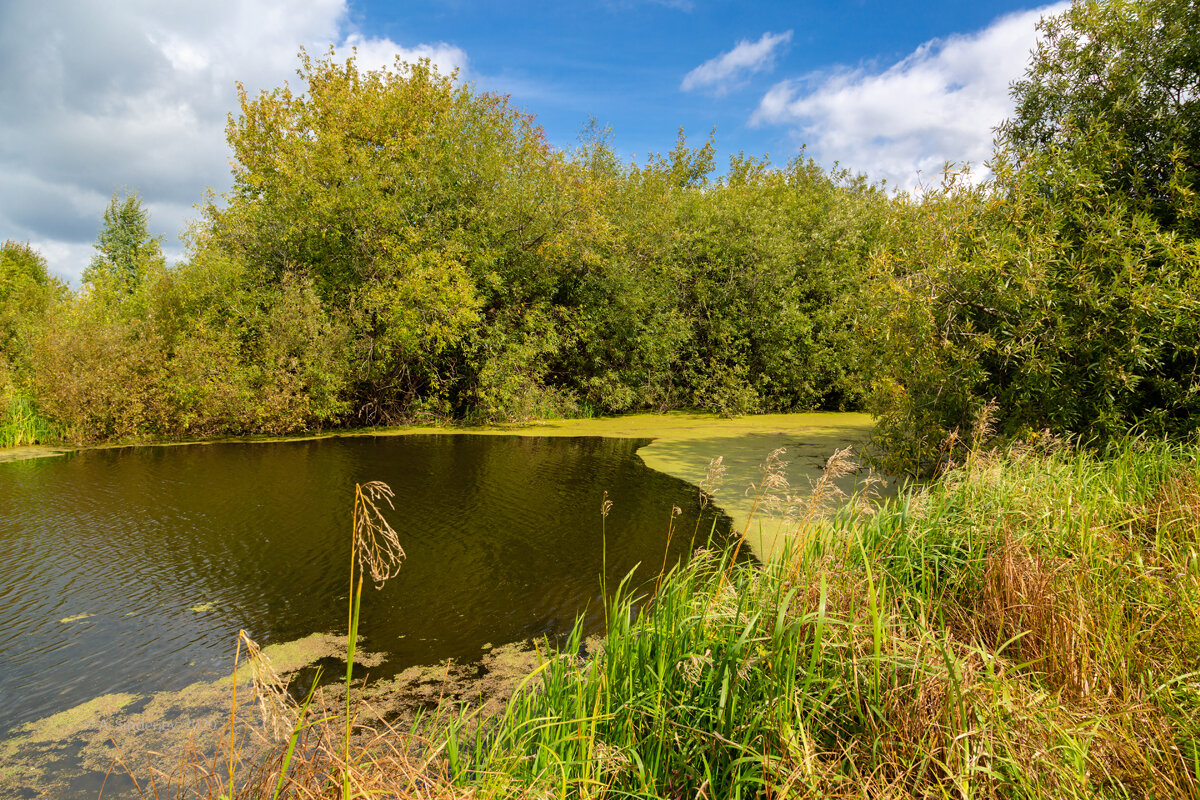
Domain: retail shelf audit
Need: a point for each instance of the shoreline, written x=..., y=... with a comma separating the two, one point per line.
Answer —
x=683, y=443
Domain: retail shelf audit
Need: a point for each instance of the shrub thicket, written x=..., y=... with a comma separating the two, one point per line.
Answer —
x=1065, y=293
x=398, y=245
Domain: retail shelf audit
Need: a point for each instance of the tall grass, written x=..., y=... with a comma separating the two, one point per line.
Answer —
x=20, y=424
x=1027, y=626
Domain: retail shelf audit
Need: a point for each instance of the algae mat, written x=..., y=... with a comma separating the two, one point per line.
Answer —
x=682, y=447
x=168, y=740
x=684, y=443
x=684, y=450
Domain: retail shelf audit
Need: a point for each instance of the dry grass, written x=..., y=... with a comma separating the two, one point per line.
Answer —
x=1027, y=627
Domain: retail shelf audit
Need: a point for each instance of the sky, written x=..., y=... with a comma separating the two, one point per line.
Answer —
x=134, y=95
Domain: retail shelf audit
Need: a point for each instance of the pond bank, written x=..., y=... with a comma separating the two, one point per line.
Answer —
x=103, y=743
x=684, y=443
x=128, y=719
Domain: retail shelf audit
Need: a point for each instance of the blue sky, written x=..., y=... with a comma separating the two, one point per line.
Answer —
x=134, y=94
x=625, y=62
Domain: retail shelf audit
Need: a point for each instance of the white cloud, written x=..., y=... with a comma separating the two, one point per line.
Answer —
x=133, y=95
x=939, y=104
x=382, y=53
x=722, y=73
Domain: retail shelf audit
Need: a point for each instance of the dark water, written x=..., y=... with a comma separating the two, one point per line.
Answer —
x=173, y=549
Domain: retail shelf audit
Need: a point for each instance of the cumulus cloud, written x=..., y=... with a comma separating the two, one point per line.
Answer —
x=134, y=95
x=939, y=104
x=722, y=73
x=382, y=54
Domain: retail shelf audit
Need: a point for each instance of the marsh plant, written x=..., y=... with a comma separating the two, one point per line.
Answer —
x=1027, y=626
x=305, y=755
x=21, y=424
x=376, y=551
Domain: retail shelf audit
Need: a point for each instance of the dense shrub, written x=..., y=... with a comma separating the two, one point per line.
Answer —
x=1065, y=293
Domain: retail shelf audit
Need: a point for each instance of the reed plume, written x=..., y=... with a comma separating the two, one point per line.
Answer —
x=270, y=691
x=376, y=546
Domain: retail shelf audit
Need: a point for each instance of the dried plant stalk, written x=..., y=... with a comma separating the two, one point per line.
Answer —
x=376, y=544
x=269, y=690
x=713, y=477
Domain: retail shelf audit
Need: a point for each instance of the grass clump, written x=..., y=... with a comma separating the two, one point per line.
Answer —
x=1027, y=627
x=20, y=423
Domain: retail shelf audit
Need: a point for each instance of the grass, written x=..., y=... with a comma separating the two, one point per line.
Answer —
x=21, y=425
x=1027, y=626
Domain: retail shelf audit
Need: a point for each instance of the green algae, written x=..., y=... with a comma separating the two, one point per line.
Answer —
x=74, y=721
x=156, y=734
x=29, y=452
x=808, y=440
x=150, y=732
x=683, y=443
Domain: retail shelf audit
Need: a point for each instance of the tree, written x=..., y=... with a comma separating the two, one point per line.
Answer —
x=1125, y=73
x=26, y=291
x=417, y=207
x=125, y=251
x=1066, y=294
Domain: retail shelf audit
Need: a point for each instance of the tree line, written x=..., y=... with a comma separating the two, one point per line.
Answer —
x=400, y=246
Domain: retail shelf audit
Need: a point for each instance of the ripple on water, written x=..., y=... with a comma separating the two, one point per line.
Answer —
x=502, y=535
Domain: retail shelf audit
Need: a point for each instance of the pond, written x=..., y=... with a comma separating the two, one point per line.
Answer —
x=126, y=574
x=132, y=570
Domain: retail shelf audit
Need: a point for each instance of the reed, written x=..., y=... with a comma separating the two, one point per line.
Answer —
x=20, y=424
x=1028, y=626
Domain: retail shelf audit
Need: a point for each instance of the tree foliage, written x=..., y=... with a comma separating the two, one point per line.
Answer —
x=398, y=245
x=27, y=291
x=1064, y=295
x=486, y=275
x=126, y=253
x=1124, y=75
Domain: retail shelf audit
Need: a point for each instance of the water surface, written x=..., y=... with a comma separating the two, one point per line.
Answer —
x=131, y=570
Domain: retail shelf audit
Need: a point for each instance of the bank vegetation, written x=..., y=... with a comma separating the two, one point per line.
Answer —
x=399, y=245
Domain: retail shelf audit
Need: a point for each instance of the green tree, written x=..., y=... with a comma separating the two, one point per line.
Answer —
x=416, y=206
x=125, y=251
x=1066, y=294
x=1126, y=72
x=27, y=291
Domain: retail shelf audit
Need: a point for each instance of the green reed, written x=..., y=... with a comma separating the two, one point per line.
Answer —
x=1029, y=626
x=20, y=424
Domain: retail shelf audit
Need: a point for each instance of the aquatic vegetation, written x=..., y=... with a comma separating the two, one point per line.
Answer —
x=1024, y=628
x=21, y=425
